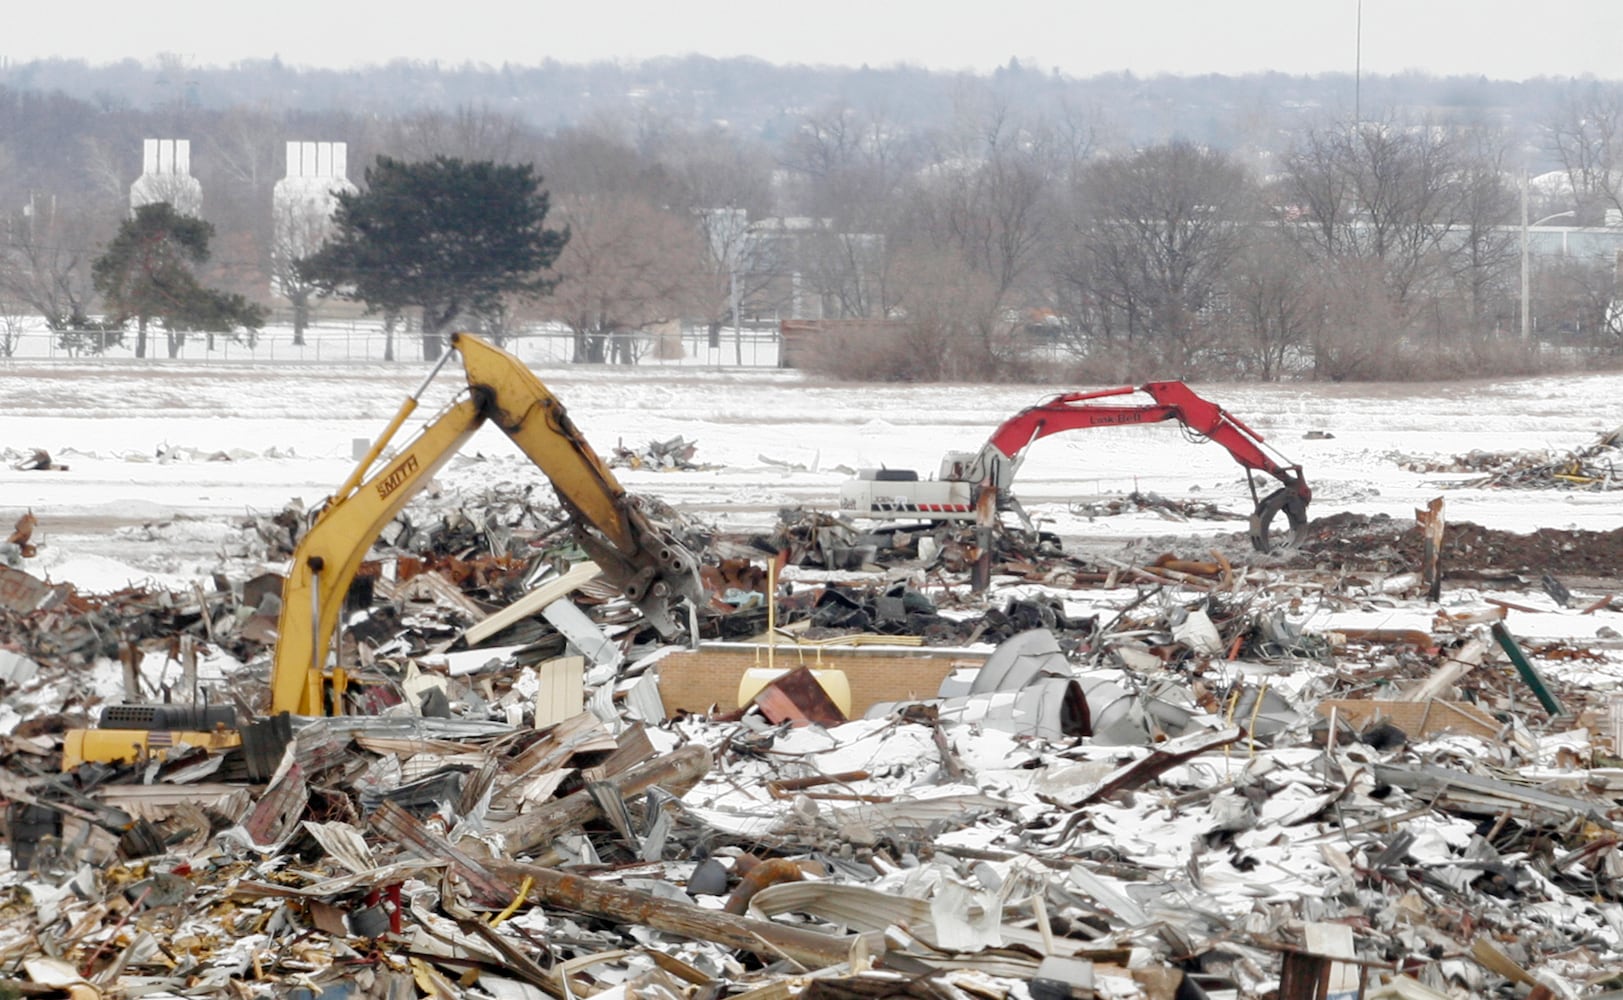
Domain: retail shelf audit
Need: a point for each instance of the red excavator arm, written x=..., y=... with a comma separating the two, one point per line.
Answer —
x=996, y=464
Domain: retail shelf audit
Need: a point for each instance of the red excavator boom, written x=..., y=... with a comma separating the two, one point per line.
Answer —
x=995, y=465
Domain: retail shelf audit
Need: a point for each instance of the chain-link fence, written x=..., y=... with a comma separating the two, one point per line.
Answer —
x=367, y=343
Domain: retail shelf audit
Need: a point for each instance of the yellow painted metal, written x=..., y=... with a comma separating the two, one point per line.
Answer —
x=130, y=746
x=644, y=562
x=536, y=421
x=331, y=552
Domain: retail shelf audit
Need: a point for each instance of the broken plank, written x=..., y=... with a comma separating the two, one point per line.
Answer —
x=772, y=941
x=530, y=604
x=1160, y=760
x=678, y=771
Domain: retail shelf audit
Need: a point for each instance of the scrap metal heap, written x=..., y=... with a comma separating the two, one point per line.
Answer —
x=1595, y=466
x=1173, y=777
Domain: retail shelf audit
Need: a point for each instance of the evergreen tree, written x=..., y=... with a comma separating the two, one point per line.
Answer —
x=446, y=236
x=146, y=274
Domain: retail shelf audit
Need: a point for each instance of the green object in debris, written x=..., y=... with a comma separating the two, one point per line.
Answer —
x=1525, y=669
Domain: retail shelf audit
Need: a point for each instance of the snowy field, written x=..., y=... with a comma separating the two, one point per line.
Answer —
x=163, y=457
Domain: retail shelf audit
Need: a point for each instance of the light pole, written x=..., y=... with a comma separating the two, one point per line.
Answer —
x=1527, y=304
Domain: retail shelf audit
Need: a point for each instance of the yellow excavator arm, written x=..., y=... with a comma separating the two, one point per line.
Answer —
x=647, y=564
x=650, y=567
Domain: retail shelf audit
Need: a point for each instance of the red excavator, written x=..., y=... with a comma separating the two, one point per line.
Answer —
x=965, y=476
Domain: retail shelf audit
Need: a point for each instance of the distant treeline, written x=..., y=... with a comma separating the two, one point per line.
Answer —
x=1259, y=226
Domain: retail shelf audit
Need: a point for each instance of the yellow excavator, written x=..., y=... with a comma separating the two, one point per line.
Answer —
x=647, y=564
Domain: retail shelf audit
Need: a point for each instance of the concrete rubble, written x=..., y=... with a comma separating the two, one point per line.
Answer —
x=1202, y=773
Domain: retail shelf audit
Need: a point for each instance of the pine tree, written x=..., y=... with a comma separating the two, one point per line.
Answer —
x=146, y=274
x=446, y=236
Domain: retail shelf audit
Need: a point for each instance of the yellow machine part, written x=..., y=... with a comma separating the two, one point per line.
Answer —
x=646, y=563
x=130, y=746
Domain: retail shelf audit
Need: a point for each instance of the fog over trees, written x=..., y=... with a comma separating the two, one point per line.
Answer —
x=1021, y=224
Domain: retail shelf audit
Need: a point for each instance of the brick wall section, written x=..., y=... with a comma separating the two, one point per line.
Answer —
x=696, y=679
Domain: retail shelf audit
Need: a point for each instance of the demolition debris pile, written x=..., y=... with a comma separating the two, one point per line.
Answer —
x=1592, y=467
x=676, y=453
x=1186, y=775
x=1364, y=543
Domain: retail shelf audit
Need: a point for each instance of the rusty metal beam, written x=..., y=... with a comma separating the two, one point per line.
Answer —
x=403, y=828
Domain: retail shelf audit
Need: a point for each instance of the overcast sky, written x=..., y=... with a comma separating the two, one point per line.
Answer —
x=1501, y=39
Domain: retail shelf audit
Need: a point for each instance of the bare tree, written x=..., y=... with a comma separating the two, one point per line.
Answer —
x=844, y=162
x=244, y=148
x=848, y=274
x=975, y=229
x=15, y=317
x=107, y=170
x=241, y=162
x=627, y=266
x=1276, y=309
x=45, y=263
x=301, y=226
x=1377, y=191
x=723, y=183
x=989, y=193
x=852, y=170
x=953, y=328
x=1580, y=303
x=1354, y=338
x=1155, y=235
x=1485, y=260
x=468, y=133
x=1586, y=138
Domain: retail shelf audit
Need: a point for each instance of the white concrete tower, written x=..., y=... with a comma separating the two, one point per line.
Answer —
x=304, y=200
x=166, y=166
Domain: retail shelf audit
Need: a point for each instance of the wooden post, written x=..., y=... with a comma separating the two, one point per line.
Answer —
x=980, y=576
x=1431, y=562
x=188, y=669
x=130, y=655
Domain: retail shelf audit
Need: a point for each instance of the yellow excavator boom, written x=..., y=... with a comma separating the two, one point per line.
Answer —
x=648, y=565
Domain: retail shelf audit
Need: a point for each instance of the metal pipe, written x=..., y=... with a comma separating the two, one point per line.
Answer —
x=406, y=408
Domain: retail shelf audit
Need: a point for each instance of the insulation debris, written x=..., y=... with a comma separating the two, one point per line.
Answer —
x=676, y=453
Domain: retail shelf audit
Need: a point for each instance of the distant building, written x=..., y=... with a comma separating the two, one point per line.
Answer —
x=303, y=202
x=795, y=267
x=166, y=175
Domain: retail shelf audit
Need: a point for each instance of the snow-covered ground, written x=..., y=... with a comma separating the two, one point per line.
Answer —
x=162, y=460
x=162, y=457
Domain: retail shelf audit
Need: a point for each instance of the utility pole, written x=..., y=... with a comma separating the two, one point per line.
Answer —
x=1527, y=311
x=1358, y=64
x=738, y=331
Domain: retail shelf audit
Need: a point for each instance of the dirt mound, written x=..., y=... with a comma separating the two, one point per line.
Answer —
x=1380, y=543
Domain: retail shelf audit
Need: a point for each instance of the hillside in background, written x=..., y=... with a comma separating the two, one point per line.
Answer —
x=763, y=100
x=1259, y=226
